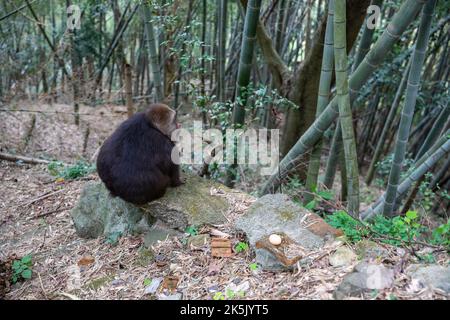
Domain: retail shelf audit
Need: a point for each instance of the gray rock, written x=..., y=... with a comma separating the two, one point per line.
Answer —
x=97, y=213
x=190, y=204
x=431, y=276
x=343, y=256
x=363, y=279
x=274, y=213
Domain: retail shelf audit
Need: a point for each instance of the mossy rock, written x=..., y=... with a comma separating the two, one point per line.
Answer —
x=190, y=204
x=276, y=213
x=97, y=213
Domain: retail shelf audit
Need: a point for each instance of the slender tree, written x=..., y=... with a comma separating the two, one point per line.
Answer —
x=436, y=129
x=244, y=70
x=387, y=126
x=322, y=101
x=221, y=83
x=245, y=60
x=152, y=50
x=408, y=109
x=345, y=112
x=366, y=38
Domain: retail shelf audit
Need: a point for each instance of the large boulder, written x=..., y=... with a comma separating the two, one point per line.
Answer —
x=430, y=276
x=97, y=213
x=276, y=213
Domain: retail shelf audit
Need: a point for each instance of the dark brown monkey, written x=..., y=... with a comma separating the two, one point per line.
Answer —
x=135, y=161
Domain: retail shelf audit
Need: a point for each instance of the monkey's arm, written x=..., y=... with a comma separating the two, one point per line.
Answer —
x=175, y=179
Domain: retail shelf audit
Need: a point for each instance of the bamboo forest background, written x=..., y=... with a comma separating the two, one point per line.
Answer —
x=358, y=108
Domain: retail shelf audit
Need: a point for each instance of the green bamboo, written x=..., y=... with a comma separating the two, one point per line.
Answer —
x=433, y=149
x=400, y=21
x=244, y=69
x=322, y=101
x=438, y=144
x=345, y=111
x=435, y=131
x=333, y=158
x=335, y=150
x=418, y=172
x=152, y=45
x=366, y=38
x=408, y=110
x=245, y=60
x=382, y=139
x=221, y=83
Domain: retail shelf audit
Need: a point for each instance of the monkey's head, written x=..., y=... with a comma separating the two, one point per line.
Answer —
x=162, y=117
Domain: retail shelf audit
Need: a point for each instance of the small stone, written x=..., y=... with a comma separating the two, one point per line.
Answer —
x=275, y=239
x=343, y=256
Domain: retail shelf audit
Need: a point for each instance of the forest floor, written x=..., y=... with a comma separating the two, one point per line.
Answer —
x=35, y=219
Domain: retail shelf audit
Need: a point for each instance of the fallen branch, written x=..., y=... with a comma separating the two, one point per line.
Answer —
x=44, y=196
x=14, y=158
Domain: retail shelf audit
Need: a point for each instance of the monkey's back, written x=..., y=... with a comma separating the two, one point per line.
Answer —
x=134, y=162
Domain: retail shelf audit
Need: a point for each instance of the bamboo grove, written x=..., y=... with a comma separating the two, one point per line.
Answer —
x=360, y=99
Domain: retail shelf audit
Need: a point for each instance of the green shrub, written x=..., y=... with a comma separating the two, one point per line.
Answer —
x=396, y=231
x=78, y=170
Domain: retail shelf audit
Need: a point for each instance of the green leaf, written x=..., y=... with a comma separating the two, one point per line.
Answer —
x=218, y=296
x=16, y=265
x=325, y=195
x=411, y=215
x=253, y=266
x=230, y=294
x=26, y=274
x=241, y=246
x=192, y=230
x=147, y=282
x=26, y=259
x=311, y=205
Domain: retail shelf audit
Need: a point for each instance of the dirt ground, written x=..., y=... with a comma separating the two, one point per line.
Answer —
x=35, y=219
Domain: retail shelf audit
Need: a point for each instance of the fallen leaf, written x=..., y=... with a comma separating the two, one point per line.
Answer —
x=86, y=260
x=170, y=283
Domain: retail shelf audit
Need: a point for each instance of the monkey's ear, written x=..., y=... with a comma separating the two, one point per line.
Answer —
x=162, y=117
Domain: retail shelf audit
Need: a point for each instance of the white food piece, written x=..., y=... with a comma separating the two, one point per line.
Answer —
x=275, y=239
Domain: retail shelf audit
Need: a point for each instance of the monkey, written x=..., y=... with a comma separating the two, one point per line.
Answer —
x=135, y=162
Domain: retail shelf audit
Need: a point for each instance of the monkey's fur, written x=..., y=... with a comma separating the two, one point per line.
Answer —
x=135, y=162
